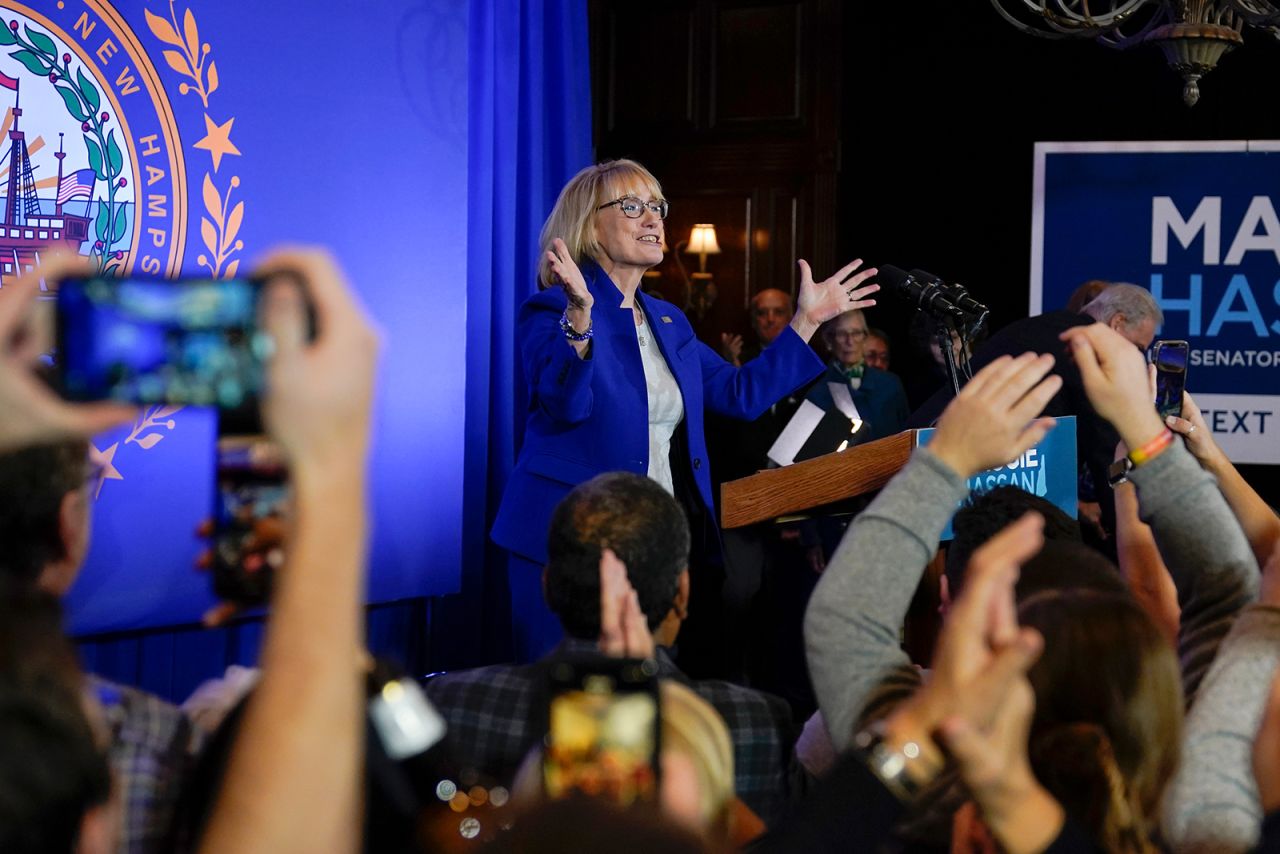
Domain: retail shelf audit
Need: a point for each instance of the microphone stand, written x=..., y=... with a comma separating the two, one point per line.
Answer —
x=943, y=331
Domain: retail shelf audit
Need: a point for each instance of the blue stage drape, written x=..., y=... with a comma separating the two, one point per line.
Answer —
x=529, y=130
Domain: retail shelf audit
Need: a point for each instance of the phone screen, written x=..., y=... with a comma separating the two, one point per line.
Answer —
x=250, y=515
x=603, y=731
x=1170, y=359
x=152, y=341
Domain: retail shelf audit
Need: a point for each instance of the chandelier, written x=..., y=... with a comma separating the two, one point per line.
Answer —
x=1194, y=34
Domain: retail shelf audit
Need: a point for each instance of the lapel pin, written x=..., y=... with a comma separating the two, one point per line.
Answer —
x=666, y=319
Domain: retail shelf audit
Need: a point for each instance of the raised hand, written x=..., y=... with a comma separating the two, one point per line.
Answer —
x=982, y=654
x=29, y=412
x=566, y=270
x=624, y=631
x=981, y=649
x=1192, y=427
x=993, y=418
x=1116, y=380
x=818, y=303
x=731, y=348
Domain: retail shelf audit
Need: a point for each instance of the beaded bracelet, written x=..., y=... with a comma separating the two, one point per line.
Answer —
x=1152, y=449
x=573, y=335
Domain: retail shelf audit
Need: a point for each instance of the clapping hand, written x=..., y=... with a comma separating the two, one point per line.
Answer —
x=624, y=630
x=993, y=418
x=731, y=348
x=820, y=302
x=29, y=411
x=1116, y=381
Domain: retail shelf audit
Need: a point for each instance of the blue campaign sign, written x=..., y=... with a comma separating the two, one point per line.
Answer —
x=1048, y=470
x=1196, y=224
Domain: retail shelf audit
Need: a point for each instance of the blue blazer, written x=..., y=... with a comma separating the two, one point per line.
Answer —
x=588, y=416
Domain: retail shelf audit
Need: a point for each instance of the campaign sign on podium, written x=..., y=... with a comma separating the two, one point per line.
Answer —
x=1048, y=470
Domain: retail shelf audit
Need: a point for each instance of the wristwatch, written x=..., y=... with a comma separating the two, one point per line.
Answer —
x=1118, y=473
x=887, y=763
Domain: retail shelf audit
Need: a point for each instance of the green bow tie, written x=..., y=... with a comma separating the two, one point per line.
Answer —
x=853, y=373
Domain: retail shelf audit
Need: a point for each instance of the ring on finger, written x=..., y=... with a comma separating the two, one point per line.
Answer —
x=1191, y=430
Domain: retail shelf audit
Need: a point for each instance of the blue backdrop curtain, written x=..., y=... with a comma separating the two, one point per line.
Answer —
x=529, y=116
x=530, y=131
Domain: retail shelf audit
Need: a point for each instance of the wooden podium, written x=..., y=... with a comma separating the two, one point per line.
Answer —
x=815, y=482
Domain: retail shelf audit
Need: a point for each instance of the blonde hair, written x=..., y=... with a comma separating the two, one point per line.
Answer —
x=573, y=217
x=692, y=726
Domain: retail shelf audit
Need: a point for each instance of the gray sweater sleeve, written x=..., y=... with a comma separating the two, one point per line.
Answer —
x=1212, y=804
x=1205, y=550
x=855, y=616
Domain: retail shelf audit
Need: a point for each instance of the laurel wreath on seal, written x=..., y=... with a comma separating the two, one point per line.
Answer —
x=38, y=53
x=192, y=59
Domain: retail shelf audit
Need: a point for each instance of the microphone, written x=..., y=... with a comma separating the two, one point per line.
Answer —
x=923, y=290
x=958, y=295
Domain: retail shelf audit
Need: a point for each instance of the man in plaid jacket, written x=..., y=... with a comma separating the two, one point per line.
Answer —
x=497, y=714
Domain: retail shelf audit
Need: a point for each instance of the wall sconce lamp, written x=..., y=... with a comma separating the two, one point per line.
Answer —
x=700, y=286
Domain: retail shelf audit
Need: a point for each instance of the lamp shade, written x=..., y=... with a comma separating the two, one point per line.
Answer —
x=702, y=240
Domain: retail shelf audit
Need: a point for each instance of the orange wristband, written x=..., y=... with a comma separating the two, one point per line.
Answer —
x=1152, y=449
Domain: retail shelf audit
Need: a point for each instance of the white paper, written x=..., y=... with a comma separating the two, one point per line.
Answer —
x=796, y=433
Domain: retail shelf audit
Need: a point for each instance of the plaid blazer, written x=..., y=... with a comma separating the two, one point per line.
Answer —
x=495, y=715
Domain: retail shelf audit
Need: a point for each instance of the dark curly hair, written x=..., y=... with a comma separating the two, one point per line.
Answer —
x=645, y=527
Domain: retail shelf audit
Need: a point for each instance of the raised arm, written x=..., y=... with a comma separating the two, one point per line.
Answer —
x=1201, y=542
x=294, y=779
x=1260, y=523
x=854, y=618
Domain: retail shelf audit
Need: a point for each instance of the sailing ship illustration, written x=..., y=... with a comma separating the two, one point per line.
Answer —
x=29, y=227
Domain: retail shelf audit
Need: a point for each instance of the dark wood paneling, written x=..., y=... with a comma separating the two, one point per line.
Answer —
x=736, y=112
x=757, y=75
x=651, y=67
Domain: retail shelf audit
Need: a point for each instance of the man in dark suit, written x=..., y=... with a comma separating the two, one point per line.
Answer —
x=494, y=713
x=1130, y=311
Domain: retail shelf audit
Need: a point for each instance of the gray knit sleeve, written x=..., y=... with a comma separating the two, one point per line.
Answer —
x=1205, y=550
x=1212, y=804
x=855, y=616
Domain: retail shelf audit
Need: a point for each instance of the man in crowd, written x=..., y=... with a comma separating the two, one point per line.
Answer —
x=45, y=523
x=492, y=712
x=771, y=311
x=876, y=349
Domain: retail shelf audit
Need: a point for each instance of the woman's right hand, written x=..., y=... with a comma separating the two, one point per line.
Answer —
x=575, y=286
x=1192, y=427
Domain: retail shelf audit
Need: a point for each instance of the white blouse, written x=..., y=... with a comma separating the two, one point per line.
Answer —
x=666, y=406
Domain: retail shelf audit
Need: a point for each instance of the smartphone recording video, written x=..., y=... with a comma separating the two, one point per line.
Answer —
x=251, y=509
x=1170, y=359
x=603, y=731
x=148, y=341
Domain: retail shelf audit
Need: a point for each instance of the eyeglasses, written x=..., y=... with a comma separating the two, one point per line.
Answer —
x=853, y=334
x=633, y=208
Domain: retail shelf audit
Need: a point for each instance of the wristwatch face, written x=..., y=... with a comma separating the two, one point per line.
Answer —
x=1119, y=471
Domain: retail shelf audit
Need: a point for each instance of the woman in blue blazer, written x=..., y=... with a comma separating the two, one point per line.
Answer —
x=618, y=379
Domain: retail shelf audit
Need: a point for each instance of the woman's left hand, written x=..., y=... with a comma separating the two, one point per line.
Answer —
x=820, y=302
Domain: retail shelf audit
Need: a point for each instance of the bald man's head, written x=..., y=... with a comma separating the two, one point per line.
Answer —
x=771, y=311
